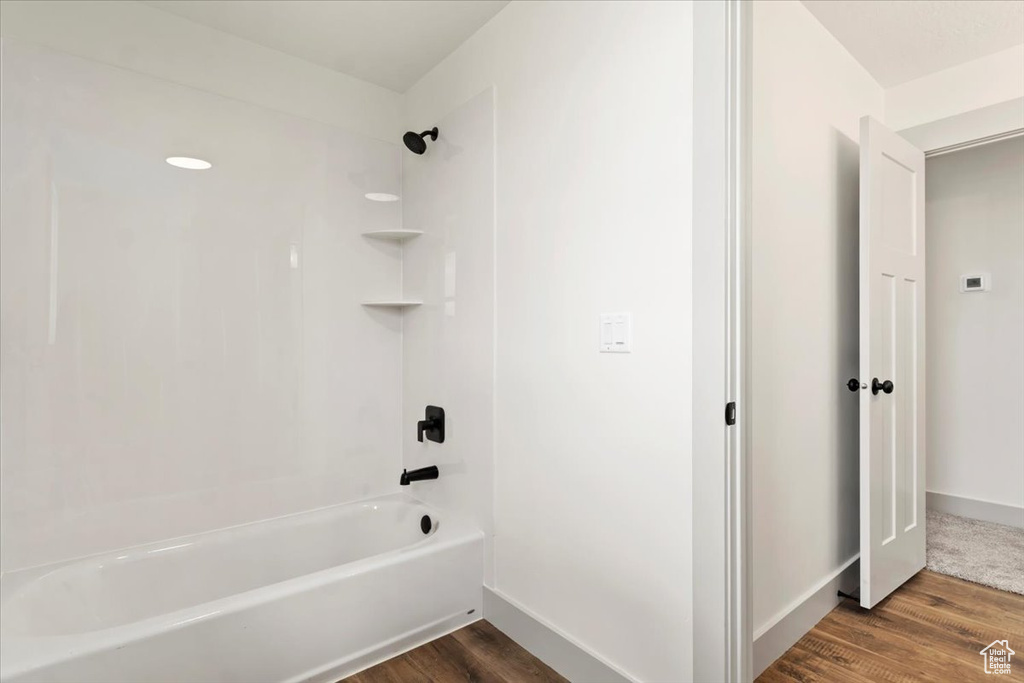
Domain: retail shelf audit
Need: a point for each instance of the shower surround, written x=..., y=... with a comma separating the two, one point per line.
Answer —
x=193, y=393
x=185, y=350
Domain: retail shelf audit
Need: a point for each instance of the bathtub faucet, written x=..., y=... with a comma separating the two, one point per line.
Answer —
x=418, y=475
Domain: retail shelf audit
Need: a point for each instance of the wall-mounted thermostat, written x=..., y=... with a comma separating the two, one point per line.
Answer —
x=977, y=282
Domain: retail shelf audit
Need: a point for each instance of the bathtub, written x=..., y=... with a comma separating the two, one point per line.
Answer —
x=309, y=597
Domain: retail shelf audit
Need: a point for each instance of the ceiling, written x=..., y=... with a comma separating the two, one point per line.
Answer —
x=898, y=41
x=389, y=43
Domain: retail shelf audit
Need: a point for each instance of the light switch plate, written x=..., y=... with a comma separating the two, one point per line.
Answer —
x=616, y=330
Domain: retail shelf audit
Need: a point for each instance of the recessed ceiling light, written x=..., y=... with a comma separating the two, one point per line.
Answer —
x=381, y=197
x=189, y=163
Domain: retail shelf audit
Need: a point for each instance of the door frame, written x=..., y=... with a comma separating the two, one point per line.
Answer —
x=721, y=540
x=968, y=129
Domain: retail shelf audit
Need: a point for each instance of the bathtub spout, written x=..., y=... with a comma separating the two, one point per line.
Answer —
x=418, y=475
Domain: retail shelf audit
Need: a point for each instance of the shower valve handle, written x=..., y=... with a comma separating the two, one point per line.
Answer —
x=422, y=426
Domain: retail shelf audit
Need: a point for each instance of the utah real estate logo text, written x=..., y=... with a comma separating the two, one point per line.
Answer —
x=997, y=657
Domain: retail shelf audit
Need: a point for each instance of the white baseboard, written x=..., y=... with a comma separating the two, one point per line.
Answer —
x=545, y=643
x=783, y=630
x=983, y=510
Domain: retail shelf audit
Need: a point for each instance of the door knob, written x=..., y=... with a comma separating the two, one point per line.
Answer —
x=854, y=385
x=877, y=386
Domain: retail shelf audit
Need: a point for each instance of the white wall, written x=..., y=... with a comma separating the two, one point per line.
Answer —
x=448, y=342
x=809, y=95
x=592, y=451
x=996, y=78
x=135, y=36
x=184, y=351
x=975, y=208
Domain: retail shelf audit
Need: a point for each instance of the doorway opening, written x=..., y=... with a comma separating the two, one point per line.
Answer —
x=975, y=282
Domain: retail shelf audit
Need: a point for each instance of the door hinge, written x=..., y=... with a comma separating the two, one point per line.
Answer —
x=730, y=413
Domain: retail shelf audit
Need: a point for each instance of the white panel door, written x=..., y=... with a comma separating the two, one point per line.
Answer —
x=892, y=415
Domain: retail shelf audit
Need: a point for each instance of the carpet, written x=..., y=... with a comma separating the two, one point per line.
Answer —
x=982, y=552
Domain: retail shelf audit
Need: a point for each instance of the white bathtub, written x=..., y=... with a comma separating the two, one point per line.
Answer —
x=309, y=597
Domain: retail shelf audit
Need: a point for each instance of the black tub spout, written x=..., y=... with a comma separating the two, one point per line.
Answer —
x=418, y=475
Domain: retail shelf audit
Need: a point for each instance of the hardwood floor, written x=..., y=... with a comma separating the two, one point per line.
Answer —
x=931, y=629
x=479, y=653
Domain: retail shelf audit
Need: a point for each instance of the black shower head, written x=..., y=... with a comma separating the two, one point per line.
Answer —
x=416, y=142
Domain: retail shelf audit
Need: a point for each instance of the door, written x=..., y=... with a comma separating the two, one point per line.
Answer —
x=892, y=415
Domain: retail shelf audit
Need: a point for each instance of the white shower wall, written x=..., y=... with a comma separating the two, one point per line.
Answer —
x=184, y=350
x=448, y=342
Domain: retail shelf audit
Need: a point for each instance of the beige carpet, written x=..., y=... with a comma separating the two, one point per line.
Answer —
x=982, y=552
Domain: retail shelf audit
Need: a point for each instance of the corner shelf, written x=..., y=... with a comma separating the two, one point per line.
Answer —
x=393, y=235
x=392, y=304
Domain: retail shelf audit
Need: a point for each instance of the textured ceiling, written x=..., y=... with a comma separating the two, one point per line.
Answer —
x=900, y=40
x=391, y=43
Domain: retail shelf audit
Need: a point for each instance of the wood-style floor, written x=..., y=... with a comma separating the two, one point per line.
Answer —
x=930, y=629
x=479, y=653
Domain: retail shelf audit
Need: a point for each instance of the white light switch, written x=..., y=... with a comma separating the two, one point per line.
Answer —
x=616, y=333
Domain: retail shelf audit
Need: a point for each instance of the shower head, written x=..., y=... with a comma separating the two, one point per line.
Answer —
x=416, y=142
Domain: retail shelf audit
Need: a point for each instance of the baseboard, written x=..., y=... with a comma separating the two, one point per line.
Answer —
x=783, y=630
x=545, y=643
x=997, y=513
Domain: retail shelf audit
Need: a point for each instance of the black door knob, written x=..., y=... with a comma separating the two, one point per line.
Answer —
x=877, y=386
x=853, y=384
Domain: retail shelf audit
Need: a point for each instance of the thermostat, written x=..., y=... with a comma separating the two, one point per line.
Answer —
x=976, y=282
